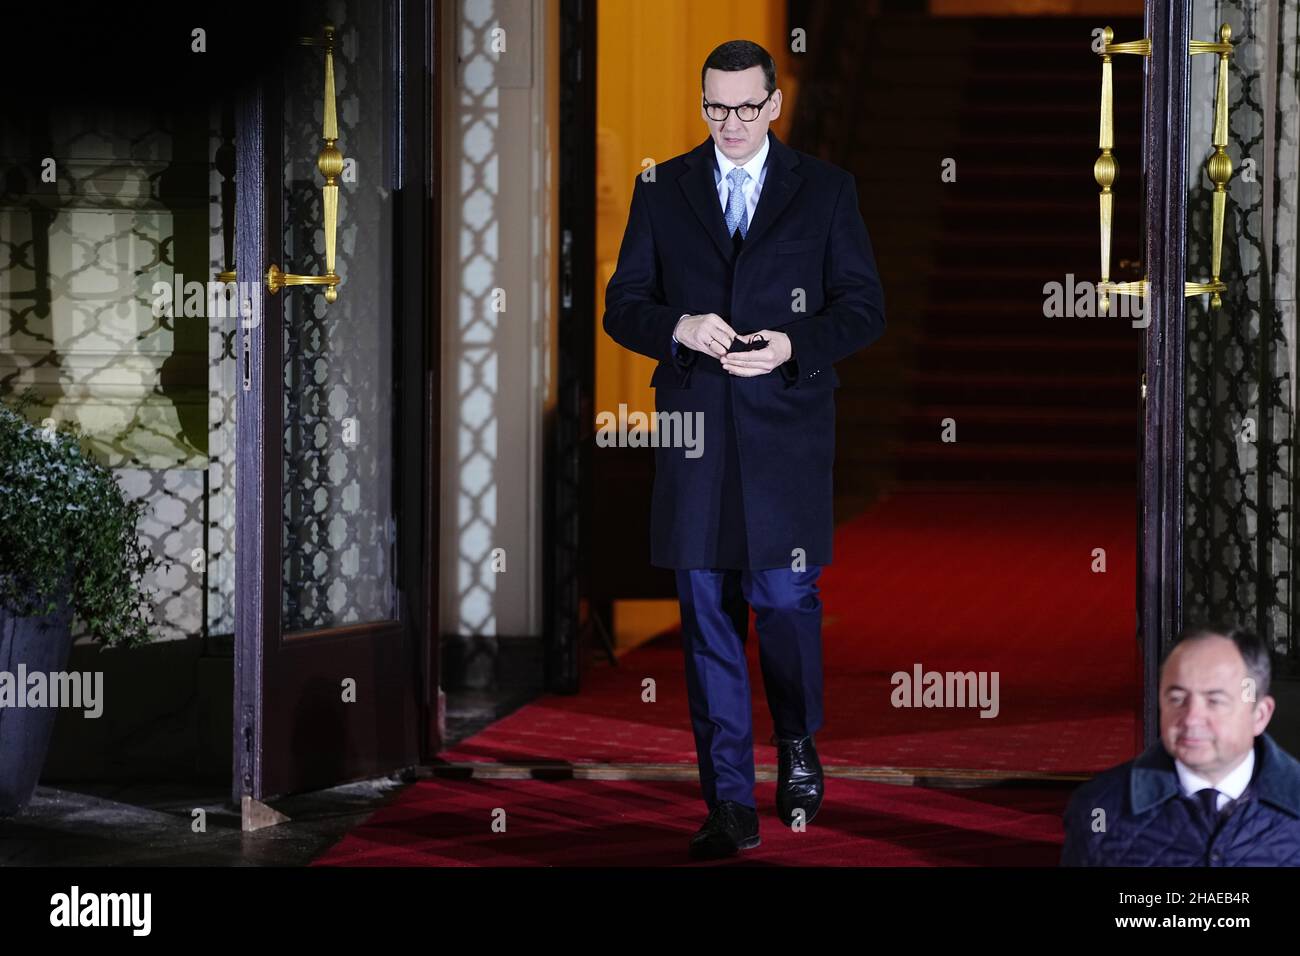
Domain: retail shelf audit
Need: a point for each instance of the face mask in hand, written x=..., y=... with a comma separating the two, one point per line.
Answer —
x=737, y=345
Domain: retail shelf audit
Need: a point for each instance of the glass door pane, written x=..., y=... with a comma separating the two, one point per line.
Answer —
x=116, y=215
x=1240, y=357
x=339, y=532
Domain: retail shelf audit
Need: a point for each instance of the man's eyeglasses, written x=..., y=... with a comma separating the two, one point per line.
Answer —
x=747, y=112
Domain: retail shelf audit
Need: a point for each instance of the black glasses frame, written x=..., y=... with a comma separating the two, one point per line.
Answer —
x=727, y=115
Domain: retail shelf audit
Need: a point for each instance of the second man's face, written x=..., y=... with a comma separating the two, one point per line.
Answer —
x=738, y=140
x=1209, y=715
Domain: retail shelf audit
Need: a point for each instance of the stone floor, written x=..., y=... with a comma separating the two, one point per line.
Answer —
x=152, y=824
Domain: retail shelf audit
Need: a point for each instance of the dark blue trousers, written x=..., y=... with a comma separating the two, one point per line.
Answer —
x=715, y=623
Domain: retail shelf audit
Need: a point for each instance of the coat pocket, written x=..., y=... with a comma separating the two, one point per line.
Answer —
x=791, y=246
x=665, y=376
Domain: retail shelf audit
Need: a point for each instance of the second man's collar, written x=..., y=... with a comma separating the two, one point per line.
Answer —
x=1232, y=785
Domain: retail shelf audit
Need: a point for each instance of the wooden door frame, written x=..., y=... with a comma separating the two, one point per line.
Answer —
x=1160, y=594
x=425, y=205
x=567, y=518
x=416, y=389
x=252, y=245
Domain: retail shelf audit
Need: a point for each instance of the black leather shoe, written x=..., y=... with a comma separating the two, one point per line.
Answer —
x=731, y=826
x=799, y=782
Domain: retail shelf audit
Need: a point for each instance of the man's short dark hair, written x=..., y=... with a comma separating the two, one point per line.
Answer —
x=736, y=55
x=1253, y=650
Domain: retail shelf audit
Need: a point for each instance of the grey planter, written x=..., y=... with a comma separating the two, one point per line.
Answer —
x=42, y=644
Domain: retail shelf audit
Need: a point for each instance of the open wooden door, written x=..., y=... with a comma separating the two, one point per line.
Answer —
x=335, y=255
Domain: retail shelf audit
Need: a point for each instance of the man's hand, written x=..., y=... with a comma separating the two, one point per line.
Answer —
x=705, y=333
x=760, y=361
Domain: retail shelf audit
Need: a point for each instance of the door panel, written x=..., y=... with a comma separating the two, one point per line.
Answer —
x=1219, y=166
x=1239, y=351
x=331, y=650
x=1240, y=355
x=338, y=519
x=279, y=445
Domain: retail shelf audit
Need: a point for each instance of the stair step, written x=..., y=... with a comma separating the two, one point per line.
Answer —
x=1030, y=472
x=1059, y=350
x=976, y=451
x=1043, y=414
x=1052, y=207
x=996, y=426
x=959, y=389
x=1035, y=377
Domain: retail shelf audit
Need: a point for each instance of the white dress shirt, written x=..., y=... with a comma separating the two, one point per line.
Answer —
x=1230, y=787
x=757, y=169
x=750, y=189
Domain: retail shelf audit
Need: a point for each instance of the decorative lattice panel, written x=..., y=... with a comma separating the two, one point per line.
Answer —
x=1240, y=360
x=339, y=535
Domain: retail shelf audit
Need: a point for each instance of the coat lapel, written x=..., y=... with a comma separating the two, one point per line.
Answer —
x=700, y=188
x=779, y=187
x=702, y=193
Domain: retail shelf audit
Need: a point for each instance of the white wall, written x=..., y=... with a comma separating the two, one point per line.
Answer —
x=497, y=228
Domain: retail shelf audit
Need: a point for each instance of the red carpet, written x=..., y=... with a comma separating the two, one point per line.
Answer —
x=639, y=823
x=965, y=581
x=960, y=581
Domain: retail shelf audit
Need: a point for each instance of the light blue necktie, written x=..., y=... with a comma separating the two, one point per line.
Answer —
x=737, y=214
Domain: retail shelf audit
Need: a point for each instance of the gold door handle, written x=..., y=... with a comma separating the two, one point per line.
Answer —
x=1105, y=169
x=1218, y=166
x=330, y=162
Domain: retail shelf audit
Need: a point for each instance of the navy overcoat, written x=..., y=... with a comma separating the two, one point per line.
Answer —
x=757, y=491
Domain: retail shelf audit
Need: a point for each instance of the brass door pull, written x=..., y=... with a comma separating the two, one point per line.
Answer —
x=330, y=162
x=1218, y=166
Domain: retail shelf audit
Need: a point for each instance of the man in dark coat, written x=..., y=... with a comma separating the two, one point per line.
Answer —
x=1216, y=790
x=746, y=270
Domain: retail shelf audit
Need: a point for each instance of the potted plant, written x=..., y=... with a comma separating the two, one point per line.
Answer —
x=68, y=549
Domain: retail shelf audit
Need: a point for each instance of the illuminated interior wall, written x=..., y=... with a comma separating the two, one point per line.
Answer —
x=499, y=134
x=648, y=106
